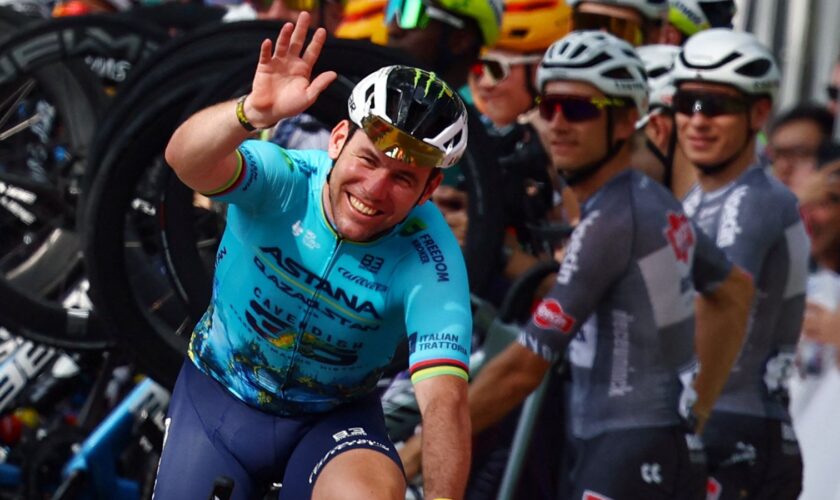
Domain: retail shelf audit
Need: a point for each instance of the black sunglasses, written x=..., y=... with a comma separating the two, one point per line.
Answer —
x=709, y=103
x=575, y=108
x=833, y=91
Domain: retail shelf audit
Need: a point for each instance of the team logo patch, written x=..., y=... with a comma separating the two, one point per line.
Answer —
x=550, y=316
x=591, y=495
x=680, y=235
x=713, y=489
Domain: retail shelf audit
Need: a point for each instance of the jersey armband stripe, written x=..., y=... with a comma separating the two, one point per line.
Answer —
x=234, y=181
x=435, y=371
x=431, y=363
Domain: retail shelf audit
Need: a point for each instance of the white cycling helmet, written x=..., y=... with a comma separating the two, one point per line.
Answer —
x=411, y=115
x=729, y=57
x=651, y=9
x=693, y=16
x=600, y=59
x=659, y=65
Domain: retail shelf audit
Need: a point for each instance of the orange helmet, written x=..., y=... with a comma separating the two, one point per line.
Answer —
x=533, y=25
x=364, y=19
x=82, y=7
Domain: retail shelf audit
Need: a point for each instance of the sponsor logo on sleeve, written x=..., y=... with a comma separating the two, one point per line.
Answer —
x=591, y=495
x=550, y=316
x=680, y=235
x=713, y=489
x=570, y=260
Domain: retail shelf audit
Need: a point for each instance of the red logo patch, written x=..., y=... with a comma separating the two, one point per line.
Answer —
x=589, y=495
x=680, y=235
x=713, y=489
x=550, y=316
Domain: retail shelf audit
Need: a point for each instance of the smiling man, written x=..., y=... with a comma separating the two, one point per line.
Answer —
x=726, y=83
x=624, y=300
x=329, y=260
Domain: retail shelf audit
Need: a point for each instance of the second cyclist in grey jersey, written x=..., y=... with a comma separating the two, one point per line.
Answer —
x=755, y=220
x=626, y=304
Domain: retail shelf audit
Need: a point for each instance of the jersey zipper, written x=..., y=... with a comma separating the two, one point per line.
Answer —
x=309, y=310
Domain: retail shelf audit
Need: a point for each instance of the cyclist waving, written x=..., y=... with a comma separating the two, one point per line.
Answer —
x=328, y=261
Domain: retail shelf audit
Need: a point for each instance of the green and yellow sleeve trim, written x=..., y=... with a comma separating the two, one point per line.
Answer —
x=234, y=181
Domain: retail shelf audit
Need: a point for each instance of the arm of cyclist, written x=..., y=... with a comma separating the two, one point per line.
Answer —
x=503, y=384
x=202, y=151
x=446, y=443
x=721, y=327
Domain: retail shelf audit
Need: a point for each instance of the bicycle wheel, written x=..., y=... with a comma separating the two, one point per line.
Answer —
x=42, y=264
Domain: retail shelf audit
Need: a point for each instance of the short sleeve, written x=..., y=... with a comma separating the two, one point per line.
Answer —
x=265, y=172
x=598, y=254
x=435, y=295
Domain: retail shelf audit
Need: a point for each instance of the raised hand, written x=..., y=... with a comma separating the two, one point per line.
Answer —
x=283, y=84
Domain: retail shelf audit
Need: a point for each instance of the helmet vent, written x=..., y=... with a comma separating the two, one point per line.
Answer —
x=731, y=57
x=578, y=51
x=755, y=69
x=657, y=72
x=618, y=74
x=519, y=33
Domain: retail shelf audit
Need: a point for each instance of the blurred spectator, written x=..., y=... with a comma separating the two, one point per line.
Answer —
x=638, y=22
x=794, y=141
x=687, y=17
x=833, y=89
x=828, y=152
x=364, y=19
x=815, y=388
x=444, y=35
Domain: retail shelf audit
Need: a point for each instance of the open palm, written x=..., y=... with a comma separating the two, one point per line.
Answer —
x=283, y=84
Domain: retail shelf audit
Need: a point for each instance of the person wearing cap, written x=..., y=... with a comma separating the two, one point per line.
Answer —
x=623, y=305
x=689, y=17
x=726, y=83
x=638, y=22
x=329, y=260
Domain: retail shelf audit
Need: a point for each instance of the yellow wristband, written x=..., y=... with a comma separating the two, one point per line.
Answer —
x=240, y=115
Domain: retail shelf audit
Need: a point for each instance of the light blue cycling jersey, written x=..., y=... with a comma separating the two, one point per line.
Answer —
x=302, y=320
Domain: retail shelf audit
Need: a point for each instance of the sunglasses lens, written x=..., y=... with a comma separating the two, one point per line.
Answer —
x=710, y=105
x=301, y=4
x=575, y=110
x=833, y=92
x=496, y=69
x=626, y=29
x=408, y=14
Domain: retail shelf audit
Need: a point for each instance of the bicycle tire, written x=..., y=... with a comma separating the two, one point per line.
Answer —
x=29, y=313
x=60, y=42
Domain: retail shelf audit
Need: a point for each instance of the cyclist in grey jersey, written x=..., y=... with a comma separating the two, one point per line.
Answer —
x=625, y=293
x=726, y=82
x=774, y=250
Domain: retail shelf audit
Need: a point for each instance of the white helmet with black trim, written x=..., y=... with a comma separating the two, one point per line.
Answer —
x=412, y=115
x=600, y=59
x=659, y=65
x=728, y=57
x=651, y=9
